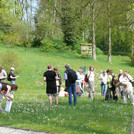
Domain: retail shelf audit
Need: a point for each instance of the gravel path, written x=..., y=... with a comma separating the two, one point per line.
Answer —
x=9, y=130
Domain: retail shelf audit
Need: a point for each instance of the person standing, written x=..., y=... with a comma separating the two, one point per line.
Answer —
x=111, y=86
x=50, y=79
x=11, y=76
x=103, y=83
x=70, y=79
x=58, y=81
x=3, y=75
x=90, y=76
x=120, y=78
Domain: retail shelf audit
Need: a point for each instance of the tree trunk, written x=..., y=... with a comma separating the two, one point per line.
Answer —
x=109, y=28
x=93, y=29
x=83, y=38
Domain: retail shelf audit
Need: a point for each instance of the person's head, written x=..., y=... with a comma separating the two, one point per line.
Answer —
x=14, y=87
x=56, y=69
x=0, y=69
x=120, y=71
x=80, y=71
x=49, y=66
x=110, y=72
x=91, y=68
x=12, y=69
x=66, y=66
x=116, y=83
x=126, y=73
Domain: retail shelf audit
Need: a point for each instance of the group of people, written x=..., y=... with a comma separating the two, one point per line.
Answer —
x=7, y=89
x=73, y=81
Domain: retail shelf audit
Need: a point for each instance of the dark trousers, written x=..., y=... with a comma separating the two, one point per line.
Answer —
x=109, y=92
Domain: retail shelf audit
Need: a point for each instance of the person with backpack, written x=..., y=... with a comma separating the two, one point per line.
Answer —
x=70, y=79
x=3, y=75
x=51, y=89
x=6, y=89
x=11, y=76
x=111, y=87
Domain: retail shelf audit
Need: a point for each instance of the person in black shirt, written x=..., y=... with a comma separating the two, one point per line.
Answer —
x=11, y=76
x=50, y=79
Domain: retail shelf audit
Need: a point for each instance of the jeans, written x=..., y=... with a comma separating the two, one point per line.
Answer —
x=72, y=90
x=12, y=81
x=103, y=89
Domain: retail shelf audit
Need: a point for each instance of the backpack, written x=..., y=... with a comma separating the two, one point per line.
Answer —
x=8, y=77
x=86, y=79
x=113, y=79
x=72, y=76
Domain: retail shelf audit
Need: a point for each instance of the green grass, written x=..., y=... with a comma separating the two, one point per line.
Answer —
x=31, y=109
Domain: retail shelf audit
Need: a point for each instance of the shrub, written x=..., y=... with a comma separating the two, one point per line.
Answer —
x=12, y=39
x=47, y=45
x=99, y=51
x=60, y=44
x=8, y=60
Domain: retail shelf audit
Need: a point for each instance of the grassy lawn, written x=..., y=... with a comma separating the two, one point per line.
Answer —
x=31, y=109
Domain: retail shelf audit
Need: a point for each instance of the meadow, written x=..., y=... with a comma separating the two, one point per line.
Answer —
x=31, y=110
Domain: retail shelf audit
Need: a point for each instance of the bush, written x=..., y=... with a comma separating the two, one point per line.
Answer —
x=60, y=44
x=47, y=45
x=99, y=51
x=12, y=39
x=8, y=60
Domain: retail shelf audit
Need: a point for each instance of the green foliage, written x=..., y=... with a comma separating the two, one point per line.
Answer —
x=12, y=39
x=99, y=51
x=10, y=59
x=132, y=60
x=60, y=44
x=71, y=26
x=47, y=45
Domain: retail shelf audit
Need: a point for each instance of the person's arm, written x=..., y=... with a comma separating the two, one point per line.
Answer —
x=8, y=91
x=65, y=76
x=100, y=78
x=13, y=77
x=44, y=78
x=118, y=91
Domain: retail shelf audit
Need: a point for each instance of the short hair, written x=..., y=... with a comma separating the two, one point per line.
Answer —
x=66, y=66
x=56, y=69
x=49, y=66
x=107, y=70
x=91, y=67
x=14, y=86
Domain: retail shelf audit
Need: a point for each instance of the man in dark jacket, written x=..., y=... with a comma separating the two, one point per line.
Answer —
x=71, y=87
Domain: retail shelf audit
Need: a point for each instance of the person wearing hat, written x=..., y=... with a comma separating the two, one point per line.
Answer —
x=11, y=76
x=3, y=75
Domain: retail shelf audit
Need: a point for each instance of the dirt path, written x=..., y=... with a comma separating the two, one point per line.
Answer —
x=9, y=130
